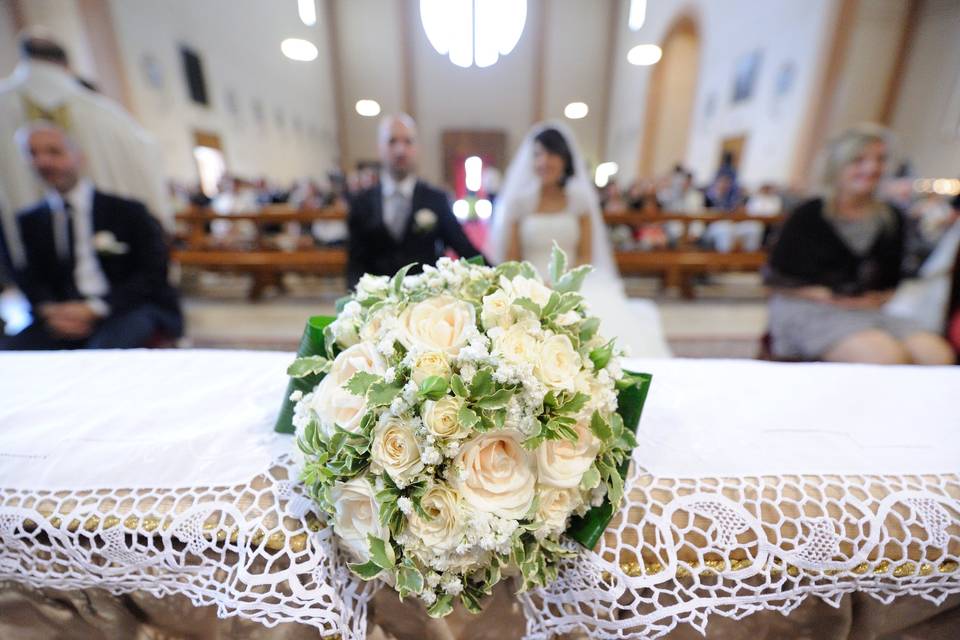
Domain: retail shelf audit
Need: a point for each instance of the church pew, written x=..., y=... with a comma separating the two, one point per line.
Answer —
x=678, y=265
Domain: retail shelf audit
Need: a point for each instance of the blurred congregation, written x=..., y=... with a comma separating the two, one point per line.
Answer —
x=781, y=179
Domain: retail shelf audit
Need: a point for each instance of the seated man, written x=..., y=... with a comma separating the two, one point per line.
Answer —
x=96, y=265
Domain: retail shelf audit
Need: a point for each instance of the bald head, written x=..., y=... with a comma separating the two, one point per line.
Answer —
x=54, y=155
x=397, y=141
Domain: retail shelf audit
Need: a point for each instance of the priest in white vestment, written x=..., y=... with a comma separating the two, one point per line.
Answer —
x=121, y=157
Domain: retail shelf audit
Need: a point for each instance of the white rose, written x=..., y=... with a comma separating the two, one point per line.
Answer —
x=496, y=310
x=517, y=346
x=442, y=323
x=442, y=418
x=444, y=529
x=374, y=326
x=431, y=363
x=522, y=287
x=561, y=463
x=336, y=405
x=556, y=505
x=497, y=475
x=568, y=318
x=558, y=363
x=395, y=450
x=356, y=514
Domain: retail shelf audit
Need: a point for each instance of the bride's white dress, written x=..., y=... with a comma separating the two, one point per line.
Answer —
x=635, y=323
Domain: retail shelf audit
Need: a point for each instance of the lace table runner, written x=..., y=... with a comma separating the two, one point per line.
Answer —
x=679, y=551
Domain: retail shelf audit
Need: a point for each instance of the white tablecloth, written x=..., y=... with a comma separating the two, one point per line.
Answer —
x=177, y=447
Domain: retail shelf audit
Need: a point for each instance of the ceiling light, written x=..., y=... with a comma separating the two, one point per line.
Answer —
x=368, y=108
x=644, y=55
x=308, y=11
x=576, y=110
x=461, y=209
x=473, y=31
x=299, y=49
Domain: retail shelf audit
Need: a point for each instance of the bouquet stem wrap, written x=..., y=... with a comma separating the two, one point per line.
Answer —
x=311, y=344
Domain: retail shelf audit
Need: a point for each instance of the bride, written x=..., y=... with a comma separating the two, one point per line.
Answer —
x=547, y=197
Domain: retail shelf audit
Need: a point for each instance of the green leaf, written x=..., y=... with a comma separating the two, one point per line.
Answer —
x=381, y=552
x=482, y=384
x=442, y=607
x=409, y=579
x=470, y=601
x=382, y=394
x=600, y=428
x=589, y=328
x=468, y=417
x=574, y=404
x=552, y=305
x=572, y=280
x=476, y=260
x=558, y=263
x=396, y=283
x=308, y=365
x=590, y=479
x=497, y=400
x=601, y=355
x=433, y=388
x=367, y=570
x=529, y=305
x=360, y=382
x=569, y=301
x=460, y=389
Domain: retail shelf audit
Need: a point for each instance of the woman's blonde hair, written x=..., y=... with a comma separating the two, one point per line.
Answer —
x=843, y=149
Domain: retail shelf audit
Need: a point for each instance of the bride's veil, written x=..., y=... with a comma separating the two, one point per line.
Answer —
x=519, y=195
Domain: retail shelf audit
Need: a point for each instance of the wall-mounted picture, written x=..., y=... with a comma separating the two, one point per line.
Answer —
x=785, y=78
x=745, y=76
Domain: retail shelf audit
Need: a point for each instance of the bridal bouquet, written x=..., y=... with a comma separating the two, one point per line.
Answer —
x=462, y=417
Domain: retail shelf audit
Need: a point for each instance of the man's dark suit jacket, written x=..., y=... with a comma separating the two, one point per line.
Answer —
x=374, y=250
x=137, y=276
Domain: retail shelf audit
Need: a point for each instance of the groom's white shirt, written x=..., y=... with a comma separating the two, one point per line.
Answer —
x=397, y=198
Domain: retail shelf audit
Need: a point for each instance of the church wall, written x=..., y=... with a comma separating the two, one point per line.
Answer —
x=927, y=115
x=8, y=37
x=239, y=43
x=789, y=32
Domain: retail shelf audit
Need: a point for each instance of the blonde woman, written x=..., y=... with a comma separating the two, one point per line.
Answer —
x=838, y=260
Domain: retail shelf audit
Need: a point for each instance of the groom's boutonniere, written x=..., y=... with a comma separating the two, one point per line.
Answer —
x=425, y=220
x=105, y=243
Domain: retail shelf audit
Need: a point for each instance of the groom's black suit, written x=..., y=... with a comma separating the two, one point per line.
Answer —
x=374, y=250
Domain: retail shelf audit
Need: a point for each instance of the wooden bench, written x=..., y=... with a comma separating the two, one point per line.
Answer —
x=678, y=265
x=260, y=257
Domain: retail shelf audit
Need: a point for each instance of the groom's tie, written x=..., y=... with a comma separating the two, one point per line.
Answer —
x=397, y=214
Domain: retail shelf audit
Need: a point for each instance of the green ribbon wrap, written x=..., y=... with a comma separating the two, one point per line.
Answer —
x=311, y=344
x=586, y=529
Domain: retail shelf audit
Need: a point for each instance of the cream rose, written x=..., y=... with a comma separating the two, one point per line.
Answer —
x=561, y=463
x=395, y=450
x=442, y=418
x=496, y=310
x=523, y=287
x=444, y=529
x=557, y=363
x=441, y=323
x=336, y=405
x=516, y=345
x=556, y=505
x=497, y=475
x=356, y=514
x=431, y=363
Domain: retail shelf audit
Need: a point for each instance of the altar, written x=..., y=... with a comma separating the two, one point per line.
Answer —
x=146, y=492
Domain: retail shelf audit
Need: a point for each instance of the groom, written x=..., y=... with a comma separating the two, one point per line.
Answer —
x=403, y=219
